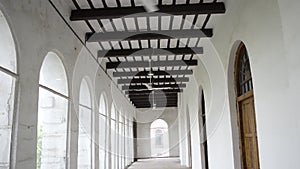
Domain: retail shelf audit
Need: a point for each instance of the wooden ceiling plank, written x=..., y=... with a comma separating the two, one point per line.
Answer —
x=114, y=65
x=179, y=9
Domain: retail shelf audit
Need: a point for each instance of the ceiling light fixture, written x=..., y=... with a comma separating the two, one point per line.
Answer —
x=149, y=6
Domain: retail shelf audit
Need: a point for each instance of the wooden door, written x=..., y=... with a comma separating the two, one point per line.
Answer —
x=248, y=132
x=246, y=110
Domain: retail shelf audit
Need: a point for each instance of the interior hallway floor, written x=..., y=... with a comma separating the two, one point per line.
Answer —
x=158, y=163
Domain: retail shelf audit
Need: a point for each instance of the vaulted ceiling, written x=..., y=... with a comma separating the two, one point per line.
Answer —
x=151, y=55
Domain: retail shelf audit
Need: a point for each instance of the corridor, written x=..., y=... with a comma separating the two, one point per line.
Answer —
x=161, y=163
x=170, y=84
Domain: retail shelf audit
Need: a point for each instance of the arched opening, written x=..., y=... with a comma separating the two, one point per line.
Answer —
x=121, y=140
x=113, y=138
x=52, y=114
x=84, y=159
x=245, y=109
x=102, y=131
x=203, y=132
x=189, y=139
x=159, y=131
x=8, y=75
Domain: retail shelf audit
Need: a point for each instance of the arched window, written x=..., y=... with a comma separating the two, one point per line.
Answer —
x=113, y=137
x=85, y=127
x=244, y=77
x=203, y=132
x=159, y=138
x=8, y=76
x=52, y=114
x=246, y=110
x=102, y=131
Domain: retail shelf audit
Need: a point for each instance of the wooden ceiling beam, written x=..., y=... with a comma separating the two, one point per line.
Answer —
x=148, y=107
x=155, y=73
x=178, y=9
x=151, y=91
x=143, y=87
x=137, y=64
x=156, y=102
x=154, y=80
x=149, y=52
x=156, y=99
x=156, y=96
x=148, y=35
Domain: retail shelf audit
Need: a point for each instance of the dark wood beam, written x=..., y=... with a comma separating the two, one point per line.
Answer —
x=167, y=96
x=136, y=64
x=150, y=52
x=156, y=99
x=156, y=96
x=150, y=103
x=154, y=80
x=151, y=91
x=157, y=104
x=148, y=107
x=155, y=73
x=143, y=87
x=148, y=35
x=178, y=9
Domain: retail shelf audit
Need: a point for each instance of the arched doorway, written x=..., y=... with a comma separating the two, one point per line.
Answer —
x=246, y=110
x=203, y=132
x=159, y=138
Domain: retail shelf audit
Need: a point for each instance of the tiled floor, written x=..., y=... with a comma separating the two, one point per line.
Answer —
x=160, y=163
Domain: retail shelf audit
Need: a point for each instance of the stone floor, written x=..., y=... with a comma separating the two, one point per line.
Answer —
x=158, y=163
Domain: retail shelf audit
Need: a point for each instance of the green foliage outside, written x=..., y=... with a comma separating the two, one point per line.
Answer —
x=39, y=147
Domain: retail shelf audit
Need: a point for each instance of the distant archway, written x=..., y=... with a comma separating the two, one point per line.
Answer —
x=159, y=139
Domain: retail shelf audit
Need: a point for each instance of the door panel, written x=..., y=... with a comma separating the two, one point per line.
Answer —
x=248, y=133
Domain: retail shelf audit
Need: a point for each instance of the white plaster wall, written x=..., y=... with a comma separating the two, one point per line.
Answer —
x=270, y=34
x=144, y=118
x=38, y=29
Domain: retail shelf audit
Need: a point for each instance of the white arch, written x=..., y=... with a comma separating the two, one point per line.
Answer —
x=159, y=123
x=103, y=130
x=53, y=74
x=85, y=94
x=8, y=59
x=85, y=126
x=52, y=114
x=103, y=104
x=159, y=138
x=8, y=68
x=113, y=112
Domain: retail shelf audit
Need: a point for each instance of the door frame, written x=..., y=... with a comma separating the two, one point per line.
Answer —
x=239, y=99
